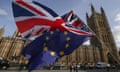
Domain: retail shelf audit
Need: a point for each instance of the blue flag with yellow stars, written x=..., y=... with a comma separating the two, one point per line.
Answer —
x=50, y=46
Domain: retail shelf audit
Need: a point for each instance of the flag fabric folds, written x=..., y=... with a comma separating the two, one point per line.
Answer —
x=33, y=18
x=51, y=46
x=57, y=35
x=28, y=17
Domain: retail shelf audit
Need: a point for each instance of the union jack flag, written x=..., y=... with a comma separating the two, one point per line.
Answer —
x=33, y=18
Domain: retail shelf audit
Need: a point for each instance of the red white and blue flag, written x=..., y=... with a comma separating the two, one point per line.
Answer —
x=33, y=18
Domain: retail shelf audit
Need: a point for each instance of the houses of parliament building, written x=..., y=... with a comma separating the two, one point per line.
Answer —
x=102, y=46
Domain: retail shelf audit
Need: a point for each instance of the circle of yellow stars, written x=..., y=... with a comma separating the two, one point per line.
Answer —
x=53, y=53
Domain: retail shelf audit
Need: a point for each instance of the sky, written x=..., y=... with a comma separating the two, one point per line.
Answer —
x=80, y=7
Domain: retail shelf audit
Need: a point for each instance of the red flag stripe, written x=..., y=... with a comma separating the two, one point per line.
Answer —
x=30, y=23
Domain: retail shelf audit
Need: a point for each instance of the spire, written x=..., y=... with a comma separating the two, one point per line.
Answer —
x=16, y=33
x=92, y=8
x=2, y=31
x=102, y=10
x=87, y=15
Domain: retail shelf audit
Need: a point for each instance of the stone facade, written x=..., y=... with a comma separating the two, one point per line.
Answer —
x=104, y=38
x=10, y=48
x=102, y=46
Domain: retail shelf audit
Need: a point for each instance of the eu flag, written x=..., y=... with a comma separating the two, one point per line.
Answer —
x=51, y=46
